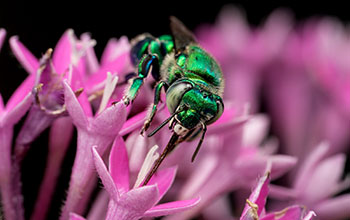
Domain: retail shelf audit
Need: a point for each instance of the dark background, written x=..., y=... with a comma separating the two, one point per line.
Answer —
x=40, y=25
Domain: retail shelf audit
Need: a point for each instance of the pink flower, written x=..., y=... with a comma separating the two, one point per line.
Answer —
x=99, y=130
x=255, y=205
x=10, y=114
x=311, y=189
x=138, y=202
x=232, y=164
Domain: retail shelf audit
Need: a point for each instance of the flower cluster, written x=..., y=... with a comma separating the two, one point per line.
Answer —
x=287, y=113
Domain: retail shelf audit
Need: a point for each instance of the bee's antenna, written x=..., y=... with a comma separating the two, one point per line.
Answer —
x=204, y=127
x=166, y=121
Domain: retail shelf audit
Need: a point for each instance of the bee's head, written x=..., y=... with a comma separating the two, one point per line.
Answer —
x=195, y=106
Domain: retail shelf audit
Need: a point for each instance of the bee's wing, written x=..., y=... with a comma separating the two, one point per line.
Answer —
x=182, y=36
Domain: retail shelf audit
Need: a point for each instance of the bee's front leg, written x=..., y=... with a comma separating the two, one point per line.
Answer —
x=147, y=63
x=153, y=111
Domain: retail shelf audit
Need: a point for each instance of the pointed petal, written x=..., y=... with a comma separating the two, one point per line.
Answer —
x=163, y=179
x=337, y=208
x=330, y=169
x=114, y=48
x=289, y=213
x=139, y=200
x=16, y=113
x=255, y=130
x=2, y=107
x=74, y=79
x=73, y=216
x=171, y=207
x=309, y=215
x=92, y=62
x=74, y=108
x=257, y=199
x=21, y=92
x=119, y=165
x=110, y=121
x=105, y=176
x=29, y=62
x=133, y=123
x=2, y=36
x=310, y=163
x=63, y=52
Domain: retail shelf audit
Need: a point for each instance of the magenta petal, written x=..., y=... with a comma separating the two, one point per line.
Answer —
x=74, y=108
x=171, y=207
x=289, y=213
x=21, y=92
x=133, y=123
x=73, y=216
x=163, y=179
x=139, y=200
x=2, y=37
x=257, y=197
x=2, y=107
x=105, y=176
x=13, y=116
x=110, y=121
x=29, y=62
x=119, y=165
x=63, y=52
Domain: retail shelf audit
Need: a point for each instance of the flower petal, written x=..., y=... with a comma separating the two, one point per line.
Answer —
x=105, y=176
x=110, y=121
x=114, y=49
x=2, y=36
x=92, y=62
x=133, y=123
x=63, y=52
x=310, y=163
x=119, y=165
x=289, y=213
x=336, y=208
x=330, y=169
x=171, y=207
x=309, y=215
x=21, y=93
x=74, y=108
x=73, y=216
x=163, y=179
x=29, y=62
x=257, y=199
x=139, y=200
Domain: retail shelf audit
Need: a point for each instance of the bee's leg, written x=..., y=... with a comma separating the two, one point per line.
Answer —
x=157, y=94
x=147, y=63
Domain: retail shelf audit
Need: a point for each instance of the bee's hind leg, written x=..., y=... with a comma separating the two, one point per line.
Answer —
x=147, y=63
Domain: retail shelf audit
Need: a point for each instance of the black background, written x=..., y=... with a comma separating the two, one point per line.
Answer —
x=39, y=26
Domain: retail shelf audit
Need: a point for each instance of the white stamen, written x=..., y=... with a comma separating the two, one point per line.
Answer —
x=111, y=82
x=151, y=157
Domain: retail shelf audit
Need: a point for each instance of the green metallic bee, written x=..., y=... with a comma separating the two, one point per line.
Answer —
x=191, y=78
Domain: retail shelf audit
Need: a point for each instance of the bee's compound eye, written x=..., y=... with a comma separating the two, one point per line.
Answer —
x=220, y=110
x=175, y=94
